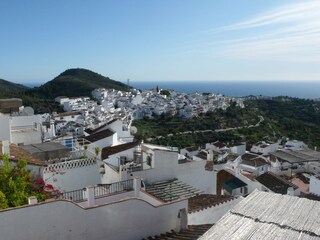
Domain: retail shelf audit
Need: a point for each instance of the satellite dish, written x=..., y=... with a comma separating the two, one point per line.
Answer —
x=27, y=111
x=133, y=130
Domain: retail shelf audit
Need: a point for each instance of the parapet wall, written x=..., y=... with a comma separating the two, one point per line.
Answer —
x=129, y=218
x=212, y=214
x=71, y=175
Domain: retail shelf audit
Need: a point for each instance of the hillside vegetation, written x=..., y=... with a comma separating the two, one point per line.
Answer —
x=76, y=82
x=284, y=117
x=6, y=86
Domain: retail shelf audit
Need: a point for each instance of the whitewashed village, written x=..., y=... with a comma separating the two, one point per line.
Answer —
x=113, y=186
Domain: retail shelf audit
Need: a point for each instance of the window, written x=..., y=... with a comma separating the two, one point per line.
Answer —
x=149, y=160
x=245, y=190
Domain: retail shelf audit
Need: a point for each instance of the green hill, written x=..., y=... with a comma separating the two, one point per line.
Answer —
x=75, y=82
x=6, y=86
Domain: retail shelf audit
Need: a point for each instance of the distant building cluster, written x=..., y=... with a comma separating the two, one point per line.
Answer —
x=149, y=103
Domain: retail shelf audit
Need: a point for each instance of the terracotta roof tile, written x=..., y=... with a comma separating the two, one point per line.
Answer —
x=275, y=183
x=108, y=151
x=17, y=153
x=248, y=156
x=204, y=201
x=255, y=162
x=192, y=148
x=112, y=121
x=99, y=135
x=219, y=144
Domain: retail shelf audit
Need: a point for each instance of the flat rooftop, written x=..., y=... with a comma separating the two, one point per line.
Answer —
x=48, y=150
x=297, y=156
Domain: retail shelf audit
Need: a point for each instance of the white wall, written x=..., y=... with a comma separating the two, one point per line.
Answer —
x=117, y=127
x=5, y=128
x=110, y=175
x=27, y=136
x=19, y=121
x=314, y=185
x=166, y=167
x=239, y=149
x=26, y=129
x=128, y=219
x=72, y=175
x=213, y=214
x=105, y=142
x=114, y=159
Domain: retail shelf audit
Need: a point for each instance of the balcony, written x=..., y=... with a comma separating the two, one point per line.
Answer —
x=101, y=190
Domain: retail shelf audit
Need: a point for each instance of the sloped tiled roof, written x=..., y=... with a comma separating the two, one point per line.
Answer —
x=255, y=162
x=92, y=131
x=203, y=201
x=108, y=151
x=202, y=155
x=192, y=148
x=193, y=232
x=18, y=153
x=99, y=135
x=219, y=144
x=112, y=121
x=275, y=183
x=248, y=156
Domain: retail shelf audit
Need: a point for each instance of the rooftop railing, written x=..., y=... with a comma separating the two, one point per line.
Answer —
x=100, y=190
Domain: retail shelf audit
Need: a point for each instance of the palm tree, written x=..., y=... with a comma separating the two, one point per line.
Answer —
x=97, y=150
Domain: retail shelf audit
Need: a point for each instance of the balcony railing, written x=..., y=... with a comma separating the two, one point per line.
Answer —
x=99, y=190
x=75, y=195
x=112, y=188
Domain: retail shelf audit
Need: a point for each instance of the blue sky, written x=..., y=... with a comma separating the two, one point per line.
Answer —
x=171, y=40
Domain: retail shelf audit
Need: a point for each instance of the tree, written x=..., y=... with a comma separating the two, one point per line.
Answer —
x=17, y=185
x=97, y=150
x=3, y=201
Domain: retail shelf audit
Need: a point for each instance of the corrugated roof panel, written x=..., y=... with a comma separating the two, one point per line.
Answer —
x=269, y=216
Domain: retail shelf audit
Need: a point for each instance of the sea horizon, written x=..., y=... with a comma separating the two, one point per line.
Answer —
x=300, y=89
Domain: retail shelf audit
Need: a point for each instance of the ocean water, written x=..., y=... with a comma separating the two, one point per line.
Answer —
x=303, y=89
x=32, y=84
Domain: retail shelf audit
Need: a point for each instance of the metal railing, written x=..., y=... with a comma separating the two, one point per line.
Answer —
x=99, y=190
x=117, y=187
x=135, y=168
x=75, y=195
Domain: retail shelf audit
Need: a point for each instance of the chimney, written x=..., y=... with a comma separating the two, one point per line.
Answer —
x=210, y=155
x=6, y=147
x=32, y=200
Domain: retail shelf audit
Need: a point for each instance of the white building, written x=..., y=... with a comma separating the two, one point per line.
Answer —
x=295, y=145
x=264, y=147
x=314, y=185
x=21, y=129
